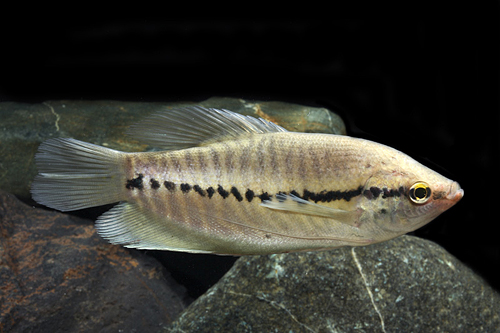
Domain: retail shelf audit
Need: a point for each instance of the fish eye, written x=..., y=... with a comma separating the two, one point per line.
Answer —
x=420, y=192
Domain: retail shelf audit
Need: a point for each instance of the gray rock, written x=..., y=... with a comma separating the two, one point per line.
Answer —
x=58, y=275
x=24, y=126
x=403, y=285
x=294, y=117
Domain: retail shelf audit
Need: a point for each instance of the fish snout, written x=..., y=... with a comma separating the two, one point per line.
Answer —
x=455, y=193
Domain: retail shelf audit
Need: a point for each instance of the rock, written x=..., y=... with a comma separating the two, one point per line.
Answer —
x=58, y=275
x=294, y=117
x=25, y=126
x=406, y=284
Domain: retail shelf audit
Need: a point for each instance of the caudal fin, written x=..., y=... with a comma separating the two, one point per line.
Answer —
x=74, y=175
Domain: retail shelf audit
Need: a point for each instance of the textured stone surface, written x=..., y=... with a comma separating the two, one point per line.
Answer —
x=24, y=126
x=58, y=275
x=294, y=117
x=406, y=284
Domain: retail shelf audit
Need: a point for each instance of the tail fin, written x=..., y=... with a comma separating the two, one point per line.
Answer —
x=75, y=175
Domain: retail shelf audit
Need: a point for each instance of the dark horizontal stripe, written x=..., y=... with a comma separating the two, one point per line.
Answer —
x=185, y=187
x=154, y=184
x=390, y=193
x=210, y=192
x=135, y=183
x=169, y=185
x=224, y=194
x=236, y=193
x=438, y=195
x=328, y=196
x=264, y=196
x=199, y=190
x=384, y=193
x=249, y=195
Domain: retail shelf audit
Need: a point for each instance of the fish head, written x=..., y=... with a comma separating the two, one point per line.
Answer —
x=424, y=201
x=407, y=200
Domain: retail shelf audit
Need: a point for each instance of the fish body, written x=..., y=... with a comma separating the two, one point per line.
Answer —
x=230, y=184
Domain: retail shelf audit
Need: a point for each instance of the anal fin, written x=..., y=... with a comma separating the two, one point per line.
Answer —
x=129, y=225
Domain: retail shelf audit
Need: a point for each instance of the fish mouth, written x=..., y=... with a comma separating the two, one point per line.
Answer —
x=455, y=193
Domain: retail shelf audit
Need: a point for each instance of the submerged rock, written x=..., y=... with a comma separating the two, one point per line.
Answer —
x=293, y=117
x=25, y=126
x=58, y=275
x=405, y=284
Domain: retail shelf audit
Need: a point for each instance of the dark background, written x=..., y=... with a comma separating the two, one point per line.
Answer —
x=426, y=87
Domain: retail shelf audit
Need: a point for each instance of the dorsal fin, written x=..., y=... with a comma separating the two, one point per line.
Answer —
x=192, y=126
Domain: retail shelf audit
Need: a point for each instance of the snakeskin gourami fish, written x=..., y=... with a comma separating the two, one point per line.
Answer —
x=231, y=184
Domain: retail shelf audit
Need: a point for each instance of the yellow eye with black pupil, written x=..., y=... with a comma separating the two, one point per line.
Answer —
x=419, y=193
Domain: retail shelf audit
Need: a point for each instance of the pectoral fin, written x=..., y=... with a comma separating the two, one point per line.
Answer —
x=294, y=204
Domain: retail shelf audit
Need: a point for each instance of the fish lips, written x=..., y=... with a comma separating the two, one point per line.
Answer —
x=453, y=195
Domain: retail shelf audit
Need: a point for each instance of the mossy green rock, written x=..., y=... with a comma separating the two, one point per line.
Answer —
x=404, y=285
